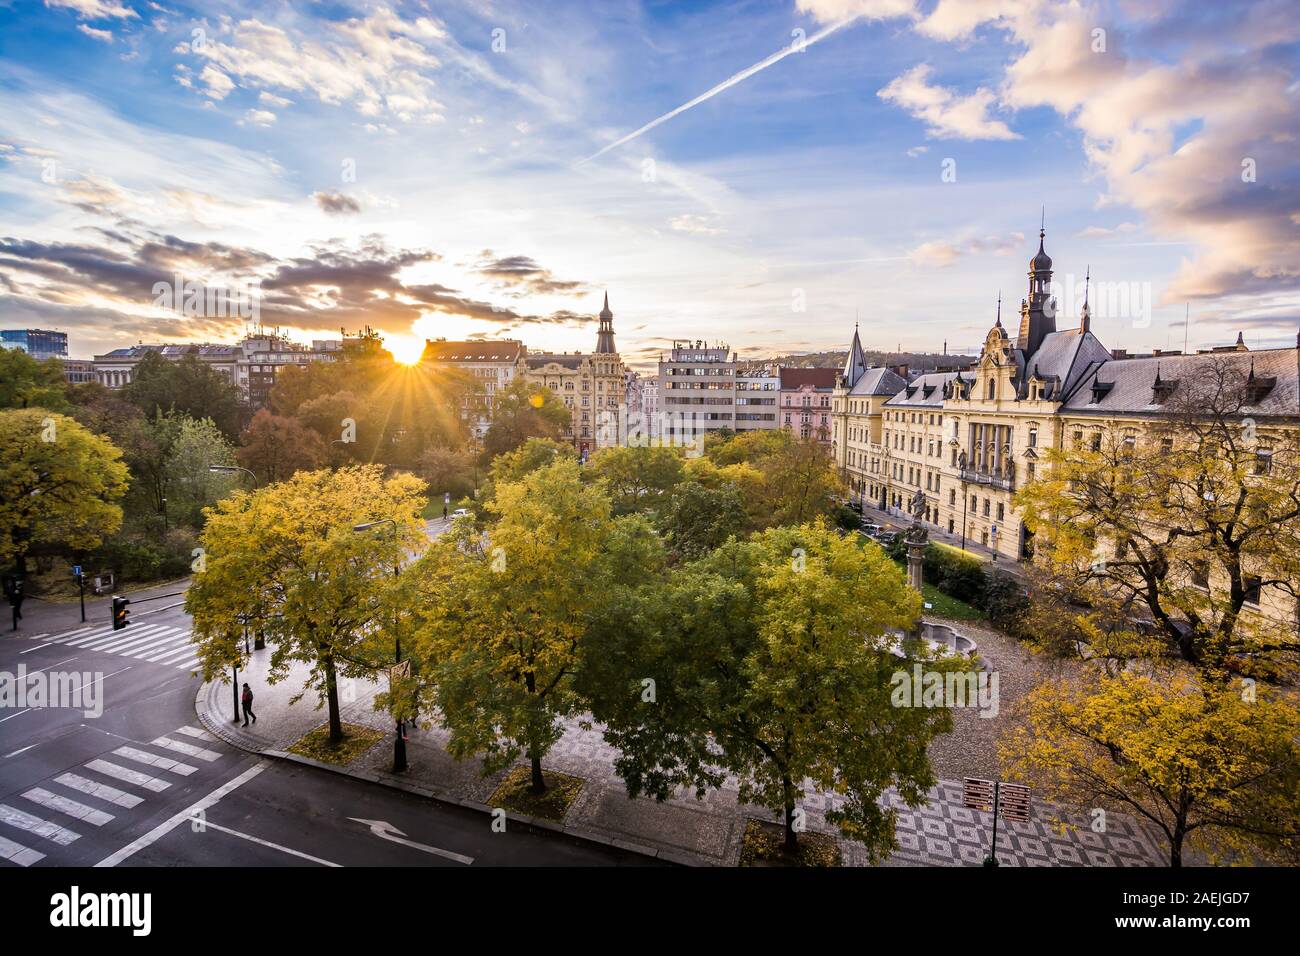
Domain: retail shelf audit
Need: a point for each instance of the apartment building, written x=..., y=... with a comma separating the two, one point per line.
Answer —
x=806, y=400
x=758, y=392
x=492, y=364
x=697, y=389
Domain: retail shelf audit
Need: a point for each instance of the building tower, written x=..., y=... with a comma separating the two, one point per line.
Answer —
x=605, y=335
x=1037, y=312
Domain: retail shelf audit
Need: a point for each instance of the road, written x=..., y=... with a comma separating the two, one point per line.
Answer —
x=123, y=787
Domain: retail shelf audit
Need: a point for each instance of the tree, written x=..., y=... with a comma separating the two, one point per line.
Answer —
x=696, y=519
x=639, y=478
x=524, y=410
x=28, y=383
x=286, y=558
x=188, y=386
x=275, y=448
x=448, y=471
x=499, y=627
x=197, y=446
x=784, y=480
x=533, y=454
x=770, y=660
x=59, y=484
x=1180, y=535
x=1214, y=768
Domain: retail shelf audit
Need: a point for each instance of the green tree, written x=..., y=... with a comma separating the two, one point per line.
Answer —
x=197, y=446
x=696, y=519
x=524, y=410
x=28, y=383
x=500, y=624
x=639, y=478
x=59, y=484
x=287, y=558
x=770, y=660
x=1214, y=768
x=189, y=386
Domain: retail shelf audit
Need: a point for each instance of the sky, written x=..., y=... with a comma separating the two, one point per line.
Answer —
x=763, y=174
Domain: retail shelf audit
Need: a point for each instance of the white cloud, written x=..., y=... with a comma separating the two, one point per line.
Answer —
x=94, y=9
x=103, y=36
x=262, y=118
x=946, y=114
x=218, y=84
x=270, y=99
x=942, y=252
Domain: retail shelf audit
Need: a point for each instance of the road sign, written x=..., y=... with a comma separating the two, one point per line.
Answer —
x=977, y=794
x=399, y=671
x=1013, y=802
x=76, y=570
x=446, y=497
x=995, y=529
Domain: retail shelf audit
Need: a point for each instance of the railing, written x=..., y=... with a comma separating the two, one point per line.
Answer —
x=984, y=478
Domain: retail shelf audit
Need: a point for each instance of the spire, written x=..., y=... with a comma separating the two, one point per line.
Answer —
x=1085, y=318
x=1241, y=343
x=1037, y=317
x=605, y=334
x=856, y=363
x=998, y=323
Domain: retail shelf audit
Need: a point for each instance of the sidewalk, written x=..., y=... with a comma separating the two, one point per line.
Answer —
x=704, y=832
x=896, y=520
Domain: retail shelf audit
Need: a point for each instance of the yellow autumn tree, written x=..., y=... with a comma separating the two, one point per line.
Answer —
x=60, y=484
x=288, y=559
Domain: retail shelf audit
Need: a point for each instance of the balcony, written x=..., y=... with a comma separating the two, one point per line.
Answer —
x=984, y=478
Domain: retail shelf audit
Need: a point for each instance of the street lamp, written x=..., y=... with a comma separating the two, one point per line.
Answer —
x=399, y=744
x=230, y=470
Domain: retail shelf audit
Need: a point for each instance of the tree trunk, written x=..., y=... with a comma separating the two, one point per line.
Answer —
x=332, y=699
x=791, y=836
x=539, y=782
x=1176, y=849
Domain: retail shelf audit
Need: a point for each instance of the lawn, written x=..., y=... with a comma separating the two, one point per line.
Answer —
x=945, y=606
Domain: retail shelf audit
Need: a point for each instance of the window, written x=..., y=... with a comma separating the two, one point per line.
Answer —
x=1033, y=436
x=1001, y=513
x=992, y=388
x=952, y=497
x=1030, y=471
x=986, y=507
x=1263, y=461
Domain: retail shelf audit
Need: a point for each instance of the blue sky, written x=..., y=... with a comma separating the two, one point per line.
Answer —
x=436, y=169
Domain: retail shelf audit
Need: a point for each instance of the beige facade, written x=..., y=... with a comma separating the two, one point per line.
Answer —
x=970, y=439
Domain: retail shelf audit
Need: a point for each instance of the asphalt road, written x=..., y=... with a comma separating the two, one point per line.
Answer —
x=123, y=787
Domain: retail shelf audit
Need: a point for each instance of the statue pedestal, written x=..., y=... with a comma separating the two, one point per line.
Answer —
x=915, y=563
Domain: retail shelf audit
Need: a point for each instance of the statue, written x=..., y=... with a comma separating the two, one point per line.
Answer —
x=917, y=508
x=961, y=459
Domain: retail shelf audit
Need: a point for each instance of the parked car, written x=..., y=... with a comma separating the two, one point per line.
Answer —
x=886, y=538
x=459, y=513
x=871, y=529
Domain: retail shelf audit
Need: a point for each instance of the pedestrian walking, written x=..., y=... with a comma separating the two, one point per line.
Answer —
x=247, y=701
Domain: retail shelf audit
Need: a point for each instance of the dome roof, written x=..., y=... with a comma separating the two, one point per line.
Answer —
x=1041, y=262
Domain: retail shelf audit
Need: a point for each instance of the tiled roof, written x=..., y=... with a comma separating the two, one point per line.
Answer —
x=567, y=360
x=1127, y=384
x=506, y=351
x=879, y=381
x=924, y=390
x=819, y=378
x=1067, y=356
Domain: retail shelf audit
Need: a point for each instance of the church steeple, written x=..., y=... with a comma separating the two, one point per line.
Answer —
x=605, y=334
x=856, y=363
x=1037, y=312
x=1085, y=317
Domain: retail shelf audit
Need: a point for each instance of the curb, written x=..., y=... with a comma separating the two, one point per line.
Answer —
x=220, y=730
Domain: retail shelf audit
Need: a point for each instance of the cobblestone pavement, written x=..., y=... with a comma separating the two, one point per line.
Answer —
x=706, y=831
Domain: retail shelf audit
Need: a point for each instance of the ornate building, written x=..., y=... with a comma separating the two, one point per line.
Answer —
x=592, y=385
x=967, y=440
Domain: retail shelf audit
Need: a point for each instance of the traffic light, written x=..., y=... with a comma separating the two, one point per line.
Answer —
x=120, y=613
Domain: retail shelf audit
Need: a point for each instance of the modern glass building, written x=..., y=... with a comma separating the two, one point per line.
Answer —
x=38, y=343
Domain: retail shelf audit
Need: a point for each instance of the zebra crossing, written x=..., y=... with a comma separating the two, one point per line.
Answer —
x=45, y=818
x=164, y=644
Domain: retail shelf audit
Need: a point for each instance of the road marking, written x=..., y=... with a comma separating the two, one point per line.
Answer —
x=136, y=640
x=17, y=853
x=188, y=749
x=267, y=843
x=185, y=665
x=175, y=653
x=48, y=666
x=21, y=750
x=195, y=732
x=67, y=634
x=71, y=808
x=386, y=831
x=36, y=637
x=126, y=775
x=12, y=716
x=187, y=814
x=173, y=644
x=153, y=760
x=101, y=790
x=78, y=636
x=42, y=828
x=106, y=676
x=115, y=642
x=36, y=648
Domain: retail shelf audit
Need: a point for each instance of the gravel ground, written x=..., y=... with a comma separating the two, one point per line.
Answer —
x=971, y=749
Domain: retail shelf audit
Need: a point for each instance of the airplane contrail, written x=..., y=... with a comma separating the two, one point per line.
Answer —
x=726, y=84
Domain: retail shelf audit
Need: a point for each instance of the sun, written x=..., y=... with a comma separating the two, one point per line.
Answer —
x=405, y=351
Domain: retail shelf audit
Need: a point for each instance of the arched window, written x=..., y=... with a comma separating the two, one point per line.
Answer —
x=992, y=388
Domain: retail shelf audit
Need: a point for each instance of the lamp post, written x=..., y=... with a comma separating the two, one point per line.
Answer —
x=230, y=470
x=965, y=504
x=399, y=743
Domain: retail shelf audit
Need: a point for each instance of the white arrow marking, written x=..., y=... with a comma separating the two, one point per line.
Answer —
x=386, y=831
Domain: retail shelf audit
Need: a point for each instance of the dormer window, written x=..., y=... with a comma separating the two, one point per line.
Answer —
x=1162, y=388
x=1258, y=386
x=1100, y=390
